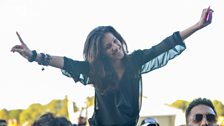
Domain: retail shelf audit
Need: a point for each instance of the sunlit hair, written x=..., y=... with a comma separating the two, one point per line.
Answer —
x=196, y=102
x=100, y=69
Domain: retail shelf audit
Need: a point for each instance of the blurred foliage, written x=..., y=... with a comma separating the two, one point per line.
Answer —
x=35, y=110
x=89, y=101
x=4, y=114
x=219, y=107
x=14, y=114
x=31, y=113
x=180, y=104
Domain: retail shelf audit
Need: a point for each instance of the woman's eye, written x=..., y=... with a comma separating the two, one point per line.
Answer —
x=115, y=41
x=107, y=47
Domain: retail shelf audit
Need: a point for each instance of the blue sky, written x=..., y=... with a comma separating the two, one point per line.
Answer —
x=59, y=27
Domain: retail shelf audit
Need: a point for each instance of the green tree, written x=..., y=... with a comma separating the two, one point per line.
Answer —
x=89, y=101
x=4, y=114
x=14, y=114
x=59, y=107
x=219, y=107
x=75, y=107
x=25, y=116
x=31, y=113
x=181, y=104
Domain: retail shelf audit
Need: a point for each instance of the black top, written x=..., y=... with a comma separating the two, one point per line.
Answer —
x=122, y=105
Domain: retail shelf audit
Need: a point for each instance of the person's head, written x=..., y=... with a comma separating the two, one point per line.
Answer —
x=48, y=119
x=82, y=120
x=103, y=47
x=102, y=43
x=3, y=122
x=149, y=122
x=201, y=112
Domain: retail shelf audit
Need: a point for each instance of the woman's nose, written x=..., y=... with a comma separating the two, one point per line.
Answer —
x=115, y=47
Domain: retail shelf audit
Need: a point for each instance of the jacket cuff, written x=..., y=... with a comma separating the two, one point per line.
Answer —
x=178, y=39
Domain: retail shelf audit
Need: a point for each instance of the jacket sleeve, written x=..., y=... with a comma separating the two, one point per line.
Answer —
x=159, y=55
x=78, y=70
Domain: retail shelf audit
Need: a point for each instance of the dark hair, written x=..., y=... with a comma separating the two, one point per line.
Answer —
x=196, y=102
x=149, y=122
x=48, y=119
x=3, y=121
x=100, y=69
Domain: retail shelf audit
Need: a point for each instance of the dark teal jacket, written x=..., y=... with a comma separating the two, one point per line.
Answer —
x=121, y=106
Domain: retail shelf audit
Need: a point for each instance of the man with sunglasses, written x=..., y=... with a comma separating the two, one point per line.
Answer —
x=201, y=112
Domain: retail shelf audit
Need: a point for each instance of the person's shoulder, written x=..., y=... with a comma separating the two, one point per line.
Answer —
x=135, y=53
x=135, y=57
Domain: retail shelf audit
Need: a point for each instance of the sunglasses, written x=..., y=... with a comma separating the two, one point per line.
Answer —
x=209, y=117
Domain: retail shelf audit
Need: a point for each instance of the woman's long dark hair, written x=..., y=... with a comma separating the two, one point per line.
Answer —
x=102, y=75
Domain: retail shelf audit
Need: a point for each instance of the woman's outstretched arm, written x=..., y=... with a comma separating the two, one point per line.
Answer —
x=42, y=59
x=205, y=20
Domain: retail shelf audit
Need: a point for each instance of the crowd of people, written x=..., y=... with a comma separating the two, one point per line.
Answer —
x=200, y=112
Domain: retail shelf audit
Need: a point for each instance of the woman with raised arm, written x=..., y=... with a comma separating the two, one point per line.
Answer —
x=115, y=74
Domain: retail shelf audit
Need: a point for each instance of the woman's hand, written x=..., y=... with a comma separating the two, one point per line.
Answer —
x=206, y=18
x=22, y=49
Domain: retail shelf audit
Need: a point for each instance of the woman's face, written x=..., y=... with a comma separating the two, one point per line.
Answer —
x=113, y=48
x=202, y=115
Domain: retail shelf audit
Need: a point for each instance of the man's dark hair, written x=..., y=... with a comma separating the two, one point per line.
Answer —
x=196, y=102
x=3, y=122
x=49, y=119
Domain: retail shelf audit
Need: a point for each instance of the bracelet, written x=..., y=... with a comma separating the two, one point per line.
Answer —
x=45, y=59
x=33, y=56
x=42, y=59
